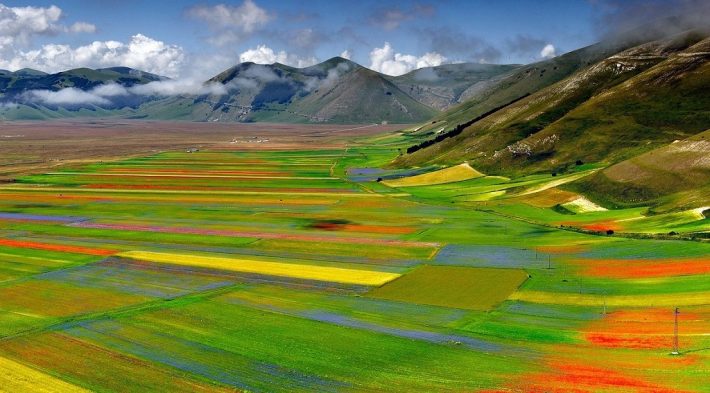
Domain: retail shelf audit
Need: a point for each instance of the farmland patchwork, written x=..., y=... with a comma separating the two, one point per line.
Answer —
x=311, y=268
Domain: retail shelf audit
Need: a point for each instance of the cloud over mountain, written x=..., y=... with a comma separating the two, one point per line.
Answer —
x=387, y=61
x=548, y=51
x=262, y=54
x=140, y=52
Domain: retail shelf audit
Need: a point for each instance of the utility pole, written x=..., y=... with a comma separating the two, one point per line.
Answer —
x=676, y=349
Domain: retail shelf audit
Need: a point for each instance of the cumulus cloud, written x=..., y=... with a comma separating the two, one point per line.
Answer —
x=387, y=61
x=231, y=24
x=262, y=54
x=346, y=54
x=548, y=52
x=19, y=25
x=140, y=52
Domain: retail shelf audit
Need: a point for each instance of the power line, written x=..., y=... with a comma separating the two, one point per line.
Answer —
x=676, y=349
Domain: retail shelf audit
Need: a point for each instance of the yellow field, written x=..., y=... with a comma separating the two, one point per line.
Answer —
x=654, y=300
x=447, y=175
x=306, y=272
x=16, y=377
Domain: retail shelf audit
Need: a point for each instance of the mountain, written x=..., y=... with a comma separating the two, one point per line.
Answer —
x=336, y=90
x=607, y=110
x=676, y=174
x=14, y=84
x=444, y=86
x=23, y=93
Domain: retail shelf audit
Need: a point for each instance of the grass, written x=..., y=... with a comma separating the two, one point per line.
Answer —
x=89, y=365
x=453, y=286
x=655, y=300
x=239, y=344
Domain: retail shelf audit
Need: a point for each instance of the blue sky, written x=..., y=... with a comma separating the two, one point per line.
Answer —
x=185, y=38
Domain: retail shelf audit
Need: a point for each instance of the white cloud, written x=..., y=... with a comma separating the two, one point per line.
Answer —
x=68, y=96
x=141, y=52
x=231, y=24
x=262, y=54
x=18, y=25
x=386, y=61
x=346, y=54
x=82, y=27
x=548, y=51
x=110, y=90
x=102, y=95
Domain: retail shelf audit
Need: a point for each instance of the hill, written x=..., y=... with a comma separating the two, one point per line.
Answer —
x=448, y=85
x=336, y=90
x=675, y=175
x=620, y=106
x=23, y=93
x=14, y=84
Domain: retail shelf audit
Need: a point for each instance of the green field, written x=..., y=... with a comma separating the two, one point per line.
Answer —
x=293, y=269
x=453, y=286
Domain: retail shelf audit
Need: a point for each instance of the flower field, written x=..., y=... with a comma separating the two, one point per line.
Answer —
x=292, y=269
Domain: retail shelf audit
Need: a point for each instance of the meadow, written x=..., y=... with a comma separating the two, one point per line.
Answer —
x=310, y=265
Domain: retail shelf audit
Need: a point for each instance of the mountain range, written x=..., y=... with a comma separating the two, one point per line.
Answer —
x=637, y=108
x=621, y=103
x=337, y=91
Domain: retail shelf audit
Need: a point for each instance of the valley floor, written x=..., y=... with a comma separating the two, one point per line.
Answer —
x=285, y=265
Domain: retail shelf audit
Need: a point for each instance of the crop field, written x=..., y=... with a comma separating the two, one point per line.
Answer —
x=453, y=286
x=288, y=267
x=447, y=175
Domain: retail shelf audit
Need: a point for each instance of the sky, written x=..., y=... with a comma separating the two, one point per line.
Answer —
x=186, y=39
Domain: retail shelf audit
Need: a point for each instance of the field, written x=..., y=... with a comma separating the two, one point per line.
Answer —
x=447, y=175
x=453, y=286
x=277, y=263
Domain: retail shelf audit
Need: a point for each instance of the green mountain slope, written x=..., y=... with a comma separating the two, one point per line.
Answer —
x=621, y=106
x=336, y=90
x=13, y=84
x=676, y=175
x=447, y=85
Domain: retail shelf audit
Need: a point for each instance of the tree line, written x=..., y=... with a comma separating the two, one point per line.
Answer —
x=460, y=127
